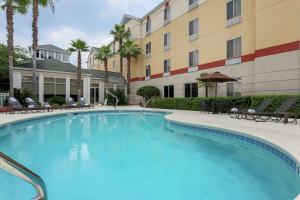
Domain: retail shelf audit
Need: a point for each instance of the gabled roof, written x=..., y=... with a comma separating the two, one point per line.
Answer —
x=59, y=66
x=52, y=48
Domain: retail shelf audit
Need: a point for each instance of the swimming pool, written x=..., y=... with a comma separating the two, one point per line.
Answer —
x=140, y=155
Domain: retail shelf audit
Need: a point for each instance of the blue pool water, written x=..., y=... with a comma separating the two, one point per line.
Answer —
x=134, y=156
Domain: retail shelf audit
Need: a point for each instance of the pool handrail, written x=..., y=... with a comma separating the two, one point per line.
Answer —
x=18, y=170
x=114, y=96
x=152, y=99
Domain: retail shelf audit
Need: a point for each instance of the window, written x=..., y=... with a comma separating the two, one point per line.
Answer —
x=167, y=40
x=193, y=29
x=193, y=58
x=148, y=71
x=192, y=2
x=191, y=90
x=38, y=53
x=148, y=48
x=230, y=89
x=167, y=13
x=233, y=9
x=234, y=48
x=148, y=25
x=42, y=54
x=169, y=91
x=167, y=66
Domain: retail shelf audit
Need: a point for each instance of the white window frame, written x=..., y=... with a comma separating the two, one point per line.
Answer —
x=167, y=41
x=167, y=15
x=195, y=29
x=148, y=72
x=148, y=47
x=234, y=57
x=195, y=59
x=236, y=13
x=167, y=67
x=148, y=26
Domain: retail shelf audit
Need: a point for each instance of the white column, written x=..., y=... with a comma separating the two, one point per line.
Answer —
x=115, y=87
x=68, y=87
x=41, y=88
x=101, y=92
x=87, y=88
x=17, y=80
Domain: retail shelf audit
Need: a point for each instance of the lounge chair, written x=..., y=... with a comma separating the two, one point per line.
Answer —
x=16, y=106
x=249, y=114
x=83, y=103
x=281, y=113
x=71, y=103
x=33, y=106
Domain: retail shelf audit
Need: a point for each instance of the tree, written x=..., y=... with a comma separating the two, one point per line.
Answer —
x=204, y=84
x=35, y=16
x=103, y=54
x=130, y=50
x=78, y=46
x=120, y=33
x=19, y=55
x=148, y=92
x=11, y=7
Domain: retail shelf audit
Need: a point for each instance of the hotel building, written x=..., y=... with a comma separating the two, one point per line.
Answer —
x=254, y=41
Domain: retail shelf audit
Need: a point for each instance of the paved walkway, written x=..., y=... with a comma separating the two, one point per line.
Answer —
x=287, y=137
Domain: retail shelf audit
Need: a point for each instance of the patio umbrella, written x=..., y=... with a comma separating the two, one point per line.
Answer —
x=216, y=78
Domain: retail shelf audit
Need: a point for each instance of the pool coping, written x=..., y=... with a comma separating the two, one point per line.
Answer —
x=173, y=116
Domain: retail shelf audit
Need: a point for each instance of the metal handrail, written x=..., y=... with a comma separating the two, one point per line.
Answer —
x=114, y=96
x=18, y=170
x=152, y=99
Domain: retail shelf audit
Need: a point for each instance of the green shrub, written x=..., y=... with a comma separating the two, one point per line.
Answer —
x=226, y=103
x=121, y=97
x=57, y=100
x=147, y=92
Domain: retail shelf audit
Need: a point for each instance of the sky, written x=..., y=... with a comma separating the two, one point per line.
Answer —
x=90, y=20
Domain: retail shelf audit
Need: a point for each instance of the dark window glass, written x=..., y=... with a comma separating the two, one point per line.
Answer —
x=148, y=25
x=169, y=91
x=191, y=90
x=230, y=89
x=194, y=90
x=148, y=48
x=166, y=91
x=191, y=28
x=230, y=10
x=187, y=90
x=229, y=48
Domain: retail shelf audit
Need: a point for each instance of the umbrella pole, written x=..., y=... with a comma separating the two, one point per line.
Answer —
x=216, y=89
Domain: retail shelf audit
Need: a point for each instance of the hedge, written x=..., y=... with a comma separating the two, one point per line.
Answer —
x=196, y=104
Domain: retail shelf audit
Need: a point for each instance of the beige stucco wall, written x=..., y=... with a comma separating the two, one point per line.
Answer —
x=264, y=24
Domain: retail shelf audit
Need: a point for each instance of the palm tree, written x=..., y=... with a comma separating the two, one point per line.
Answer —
x=78, y=46
x=130, y=50
x=103, y=54
x=204, y=84
x=35, y=16
x=120, y=33
x=11, y=7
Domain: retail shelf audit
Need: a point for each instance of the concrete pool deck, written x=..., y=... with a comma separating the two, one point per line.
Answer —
x=287, y=137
